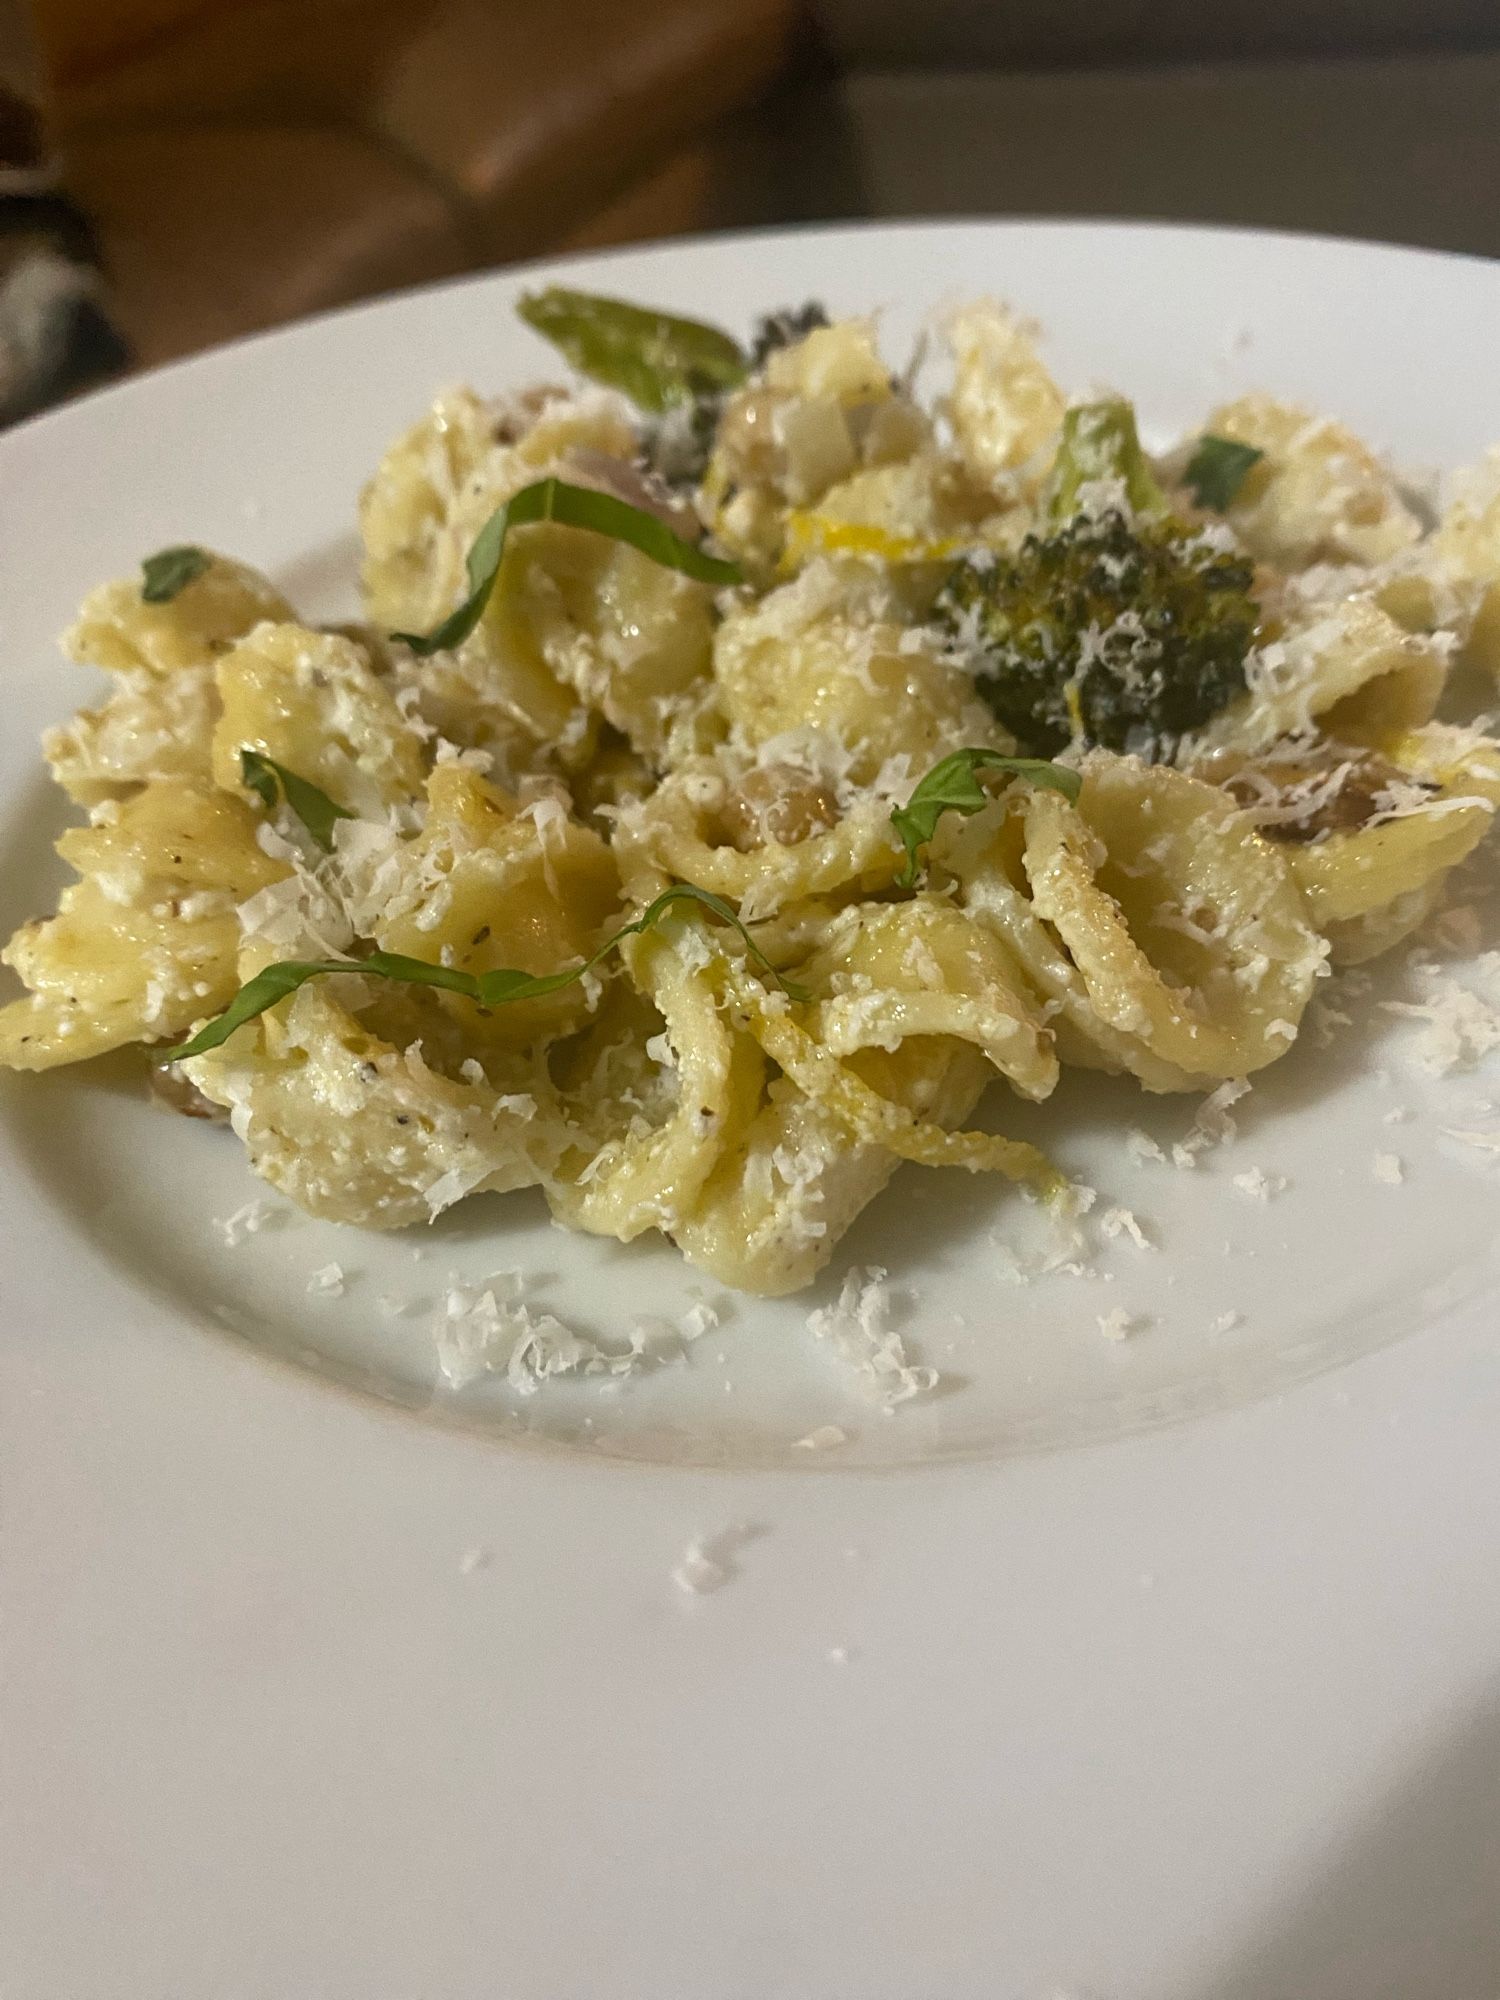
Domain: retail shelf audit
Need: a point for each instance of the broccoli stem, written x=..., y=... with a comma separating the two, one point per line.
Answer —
x=1100, y=441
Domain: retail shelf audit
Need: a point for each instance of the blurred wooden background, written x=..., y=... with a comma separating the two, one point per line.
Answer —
x=247, y=161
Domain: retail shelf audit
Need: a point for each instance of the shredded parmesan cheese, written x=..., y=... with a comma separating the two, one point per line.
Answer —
x=1461, y=1027
x=1481, y=1142
x=827, y=1437
x=247, y=1221
x=1212, y=1126
x=711, y=1561
x=1141, y=1146
x=1120, y=1222
x=491, y=1331
x=859, y=1331
x=1119, y=1324
x=1258, y=1185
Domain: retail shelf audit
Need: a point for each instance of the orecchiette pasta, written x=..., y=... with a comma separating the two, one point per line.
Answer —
x=158, y=719
x=914, y=512
x=356, y=1130
x=1465, y=562
x=718, y=797
x=146, y=942
x=312, y=701
x=888, y=972
x=1005, y=407
x=1318, y=494
x=766, y=837
x=629, y=639
x=1184, y=926
x=1369, y=838
x=817, y=654
x=1343, y=667
x=488, y=883
x=823, y=410
x=657, y=1114
x=771, y=1214
x=436, y=484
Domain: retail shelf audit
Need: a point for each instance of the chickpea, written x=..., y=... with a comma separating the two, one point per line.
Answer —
x=776, y=802
x=170, y=1087
x=1349, y=805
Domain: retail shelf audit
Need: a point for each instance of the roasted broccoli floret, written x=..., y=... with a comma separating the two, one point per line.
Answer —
x=1099, y=461
x=1118, y=624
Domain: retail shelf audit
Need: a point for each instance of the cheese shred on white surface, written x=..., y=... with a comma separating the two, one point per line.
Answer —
x=1212, y=1126
x=1479, y=1142
x=827, y=1437
x=1141, y=1146
x=1460, y=1026
x=1119, y=1324
x=247, y=1221
x=1258, y=1185
x=710, y=1561
x=489, y=1330
x=858, y=1329
x=1120, y=1222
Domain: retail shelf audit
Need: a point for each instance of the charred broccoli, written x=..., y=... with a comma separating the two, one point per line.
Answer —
x=1119, y=624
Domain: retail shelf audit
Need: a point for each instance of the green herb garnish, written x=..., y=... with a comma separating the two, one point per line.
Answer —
x=655, y=359
x=171, y=570
x=268, y=779
x=1216, y=471
x=575, y=507
x=952, y=786
x=485, y=989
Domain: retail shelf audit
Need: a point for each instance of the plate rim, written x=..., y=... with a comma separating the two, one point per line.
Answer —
x=749, y=238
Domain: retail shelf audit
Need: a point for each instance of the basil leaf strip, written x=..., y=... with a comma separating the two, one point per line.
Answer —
x=952, y=786
x=651, y=357
x=171, y=570
x=575, y=507
x=485, y=989
x=1216, y=471
x=314, y=808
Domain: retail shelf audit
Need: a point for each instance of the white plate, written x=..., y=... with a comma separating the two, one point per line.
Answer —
x=314, y=1693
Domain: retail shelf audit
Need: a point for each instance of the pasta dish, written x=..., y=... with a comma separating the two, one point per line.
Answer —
x=748, y=759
